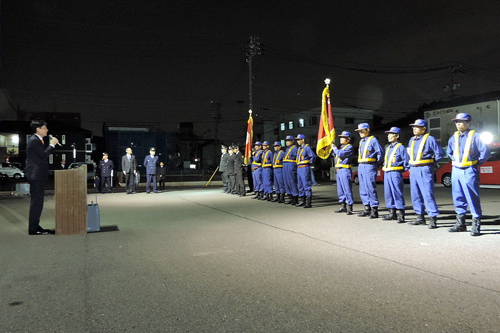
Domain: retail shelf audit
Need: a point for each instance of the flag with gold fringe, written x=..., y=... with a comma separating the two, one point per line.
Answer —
x=326, y=132
x=248, y=146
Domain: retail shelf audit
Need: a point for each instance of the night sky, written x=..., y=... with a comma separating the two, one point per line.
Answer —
x=143, y=62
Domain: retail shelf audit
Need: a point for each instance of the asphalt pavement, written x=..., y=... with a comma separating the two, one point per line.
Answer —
x=198, y=260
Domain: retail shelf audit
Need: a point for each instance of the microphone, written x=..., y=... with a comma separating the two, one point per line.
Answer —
x=50, y=137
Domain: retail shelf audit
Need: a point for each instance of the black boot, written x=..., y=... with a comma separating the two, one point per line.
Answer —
x=349, y=210
x=281, y=198
x=277, y=198
x=302, y=202
x=433, y=222
x=390, y=216
x=374, y=213
x=308, y=202
x=290, y=199
x=342, y=208
x=270, y=197
x=263, y=196
x=366, y=212
x=257, y=195
x=401, y=215
x=295, y=200
x=418, y=221
x=476, y=226
x=460, y=225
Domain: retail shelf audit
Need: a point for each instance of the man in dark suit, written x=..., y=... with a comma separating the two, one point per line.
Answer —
x=239, y=164
x=37, y=173
x=106, y=167
x=129, y=168
x=161, y=174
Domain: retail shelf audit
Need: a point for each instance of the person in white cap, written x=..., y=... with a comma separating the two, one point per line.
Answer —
x=369, y=157
x=467, y=152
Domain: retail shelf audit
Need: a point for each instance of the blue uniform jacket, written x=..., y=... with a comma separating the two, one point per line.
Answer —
x=150, y=163
x=345, y=155
x=305, y=153
x=106, y=168
x=478, y=150
x=375, y=150
x=431, y=149
x=402, y=157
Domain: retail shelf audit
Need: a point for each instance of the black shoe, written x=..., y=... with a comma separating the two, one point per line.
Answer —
x=349, y=210
x=420, y=220
x=308, y=202
x=374, y=213
x=45, y=232
x=433, y=222
x=366, y=212
x=301, y=203
x=342, y=209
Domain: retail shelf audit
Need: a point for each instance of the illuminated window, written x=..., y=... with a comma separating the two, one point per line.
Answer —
x=290, y=125
x=301, y=122
x=282, y=127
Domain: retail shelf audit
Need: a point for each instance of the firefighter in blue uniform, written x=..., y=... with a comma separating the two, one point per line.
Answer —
x=258, y=187
x=370, y=155
x=279, y=183
x=305, y=158
x=343, y=156
x=290, y=171
x=106, y=166
x=267, y=171
x=150, y=163
x=424, y=152
x=467, y=152
x=395, y=163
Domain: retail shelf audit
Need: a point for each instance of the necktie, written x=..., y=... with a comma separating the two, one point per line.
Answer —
x=43, y=141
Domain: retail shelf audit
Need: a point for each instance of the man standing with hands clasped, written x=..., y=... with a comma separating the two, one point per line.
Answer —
x=129, y=168
x=37, y=173
x=467, y=151
x=150, y=163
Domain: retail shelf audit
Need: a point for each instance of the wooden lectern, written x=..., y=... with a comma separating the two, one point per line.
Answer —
x=71, y=201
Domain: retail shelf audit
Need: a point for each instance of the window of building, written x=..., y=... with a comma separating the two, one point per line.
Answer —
x=282, y=127
x=313, y=121
x=349, y=121
x=301, y=122
x=290, y=125
x=435, y=128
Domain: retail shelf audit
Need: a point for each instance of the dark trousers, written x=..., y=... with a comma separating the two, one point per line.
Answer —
x=225, y=181
x=37, y=191
x=130, y=182
x=231, y=183
x=151, y=178
x=106, y=183
x=240, y=184
x=161, y=182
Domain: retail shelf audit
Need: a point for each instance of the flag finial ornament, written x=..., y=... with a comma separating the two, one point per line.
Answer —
x=327, y=81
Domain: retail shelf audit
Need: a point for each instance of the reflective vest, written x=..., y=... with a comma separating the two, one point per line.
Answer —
x=255, y=164
x=389, y=160
x=264, y=159
x=419, y=153
x=300, y=160
x=276, y=158
x=338, y=160
x=465, y=156
x=362, y=155
x=287, y=157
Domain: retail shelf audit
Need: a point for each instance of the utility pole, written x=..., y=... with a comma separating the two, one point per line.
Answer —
x=253, y=49
x=452, y=87
x=216, y=115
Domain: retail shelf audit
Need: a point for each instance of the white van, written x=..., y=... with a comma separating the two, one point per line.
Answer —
x=11, y=171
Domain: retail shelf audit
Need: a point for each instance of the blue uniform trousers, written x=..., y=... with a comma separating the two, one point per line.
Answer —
x=422, y=190
x=279, y=182
x=465, y=190
x=290, y=178
x=267, y=180
x=304, y=178
x=393, y=190
x=367, y=174
x=257, y=180
x=344, y=185
x=151, y=177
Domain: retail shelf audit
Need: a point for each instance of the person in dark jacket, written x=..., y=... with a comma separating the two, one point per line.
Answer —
x=161, y=174
x=106, y=167
x=239, y=165
x=37, y=173
x=230, y=171
x=129, y=169
x=150, y=163
x=223, y=168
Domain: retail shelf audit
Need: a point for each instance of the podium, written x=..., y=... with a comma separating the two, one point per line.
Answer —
x=71, y=201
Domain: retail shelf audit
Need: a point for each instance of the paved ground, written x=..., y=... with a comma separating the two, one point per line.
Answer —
x=197, y=260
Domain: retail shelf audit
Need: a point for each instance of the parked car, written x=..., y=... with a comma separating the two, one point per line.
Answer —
x=11, y=171
x=489, y=171
x=91, y=166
